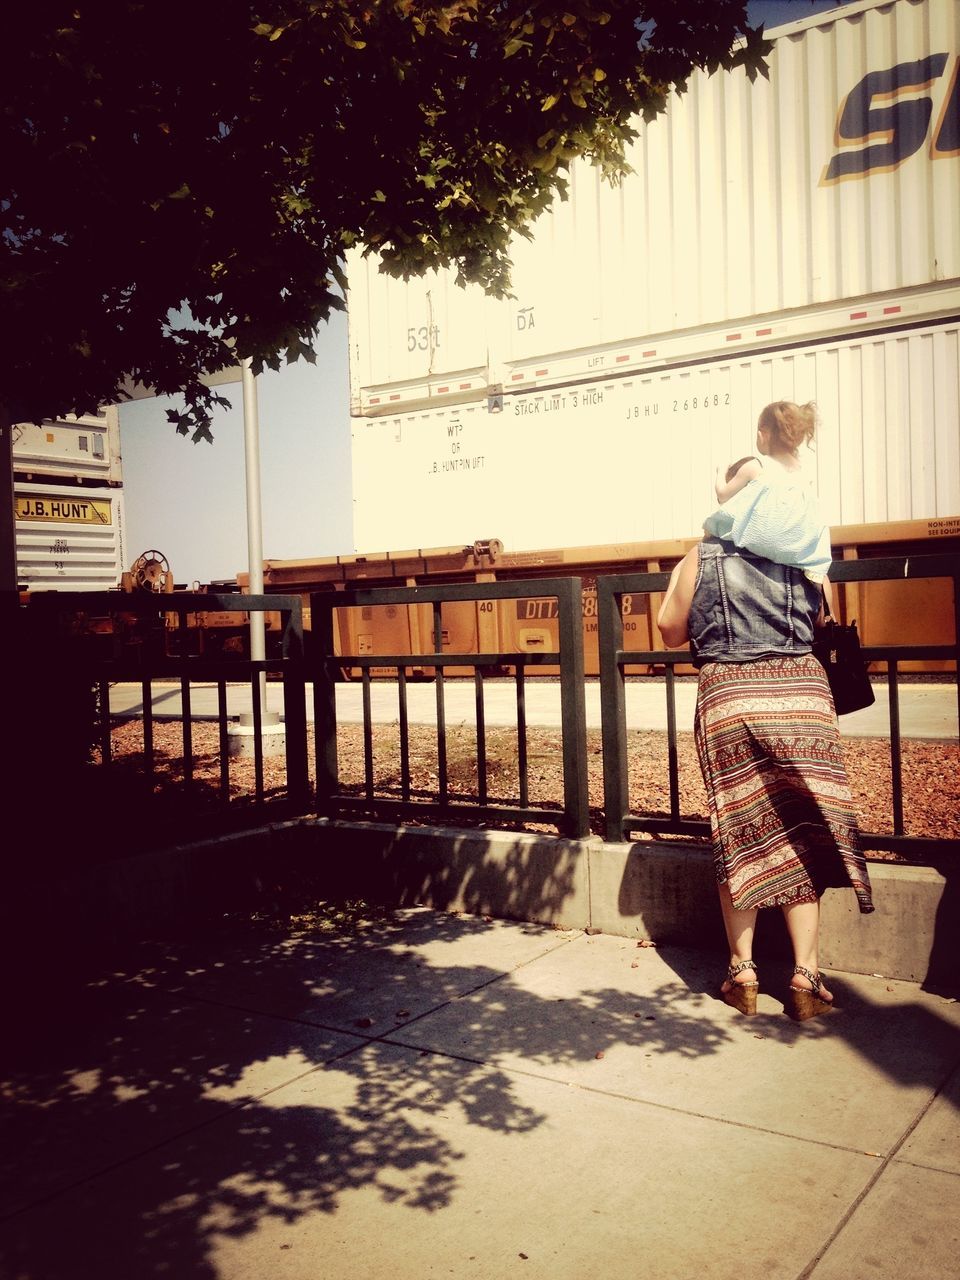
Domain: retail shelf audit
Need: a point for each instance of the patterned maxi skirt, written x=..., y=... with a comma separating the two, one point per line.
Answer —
x=781, y=814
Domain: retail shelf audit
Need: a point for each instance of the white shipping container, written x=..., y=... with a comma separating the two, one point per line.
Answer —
x=83, y=449
x=823, y=201
x=68, y=539
x=68, y=499
x=631, y=458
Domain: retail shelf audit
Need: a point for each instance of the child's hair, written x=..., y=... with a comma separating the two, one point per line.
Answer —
x=790, y=424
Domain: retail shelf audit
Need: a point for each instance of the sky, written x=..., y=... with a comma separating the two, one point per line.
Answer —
x=188, y=501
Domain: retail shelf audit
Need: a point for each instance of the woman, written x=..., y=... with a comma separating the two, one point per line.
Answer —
x=781, y=814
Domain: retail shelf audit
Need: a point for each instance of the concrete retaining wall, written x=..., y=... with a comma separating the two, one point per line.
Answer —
x=664, y=892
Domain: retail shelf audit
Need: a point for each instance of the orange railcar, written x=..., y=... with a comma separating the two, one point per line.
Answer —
x=915, y=612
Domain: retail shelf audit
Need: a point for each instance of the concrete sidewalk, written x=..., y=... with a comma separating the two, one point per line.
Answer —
x=444, y=1095
x=926, y=710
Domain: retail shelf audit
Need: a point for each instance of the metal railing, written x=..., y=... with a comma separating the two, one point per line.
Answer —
x=128, y=639
x=614, y=658
x=150, y=661
x=573, y=818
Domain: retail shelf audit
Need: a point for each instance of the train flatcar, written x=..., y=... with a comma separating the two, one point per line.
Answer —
x=915, y=612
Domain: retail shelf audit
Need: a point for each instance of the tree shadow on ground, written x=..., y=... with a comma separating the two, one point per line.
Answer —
x=223, y=1089
x=237, y=1087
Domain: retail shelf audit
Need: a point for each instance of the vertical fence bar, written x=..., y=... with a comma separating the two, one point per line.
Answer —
x=367, y=736
x=257, y=701
x=573, y=713
x=896, y=766
x=404, y=734
x=106, y=739
x=522, y=737
x=186, y=708
x=146, y=701
x=613, y=712
x=441, y=708
x=321, y=667
x=672, y=757
x=224, y=742
x=481, y=736
x=295, y=707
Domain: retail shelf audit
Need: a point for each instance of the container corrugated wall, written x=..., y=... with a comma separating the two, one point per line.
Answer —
x=632, y=458
x=767, y=208
x=68, y=497
x=68, y=539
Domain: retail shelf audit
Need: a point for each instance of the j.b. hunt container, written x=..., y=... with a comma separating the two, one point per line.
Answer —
x=68, y=496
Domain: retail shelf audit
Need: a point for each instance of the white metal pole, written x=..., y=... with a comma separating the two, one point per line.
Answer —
x=251, y=448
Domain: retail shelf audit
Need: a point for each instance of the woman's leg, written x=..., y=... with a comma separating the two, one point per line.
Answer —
x=803, y=926
x=739, y=926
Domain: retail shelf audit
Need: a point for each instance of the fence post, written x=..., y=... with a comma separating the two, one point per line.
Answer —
x=613, y=710
x=321, y=667
x=573, y=708
x=295, y=705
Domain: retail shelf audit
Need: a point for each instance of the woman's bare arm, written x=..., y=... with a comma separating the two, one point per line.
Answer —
x=826, y=599
x=675, y=610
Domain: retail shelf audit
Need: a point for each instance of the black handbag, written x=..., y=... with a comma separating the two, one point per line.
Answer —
x=837, y=648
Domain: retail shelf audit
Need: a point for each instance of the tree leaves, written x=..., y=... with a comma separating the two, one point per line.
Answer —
x=218, y=159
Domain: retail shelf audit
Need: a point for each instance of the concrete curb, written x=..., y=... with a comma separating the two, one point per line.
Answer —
x=663, y=892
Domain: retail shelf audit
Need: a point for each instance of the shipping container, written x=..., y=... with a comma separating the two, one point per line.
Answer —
x=68, y=499
x=821, y=202
x=631, y=458
x=73, y=450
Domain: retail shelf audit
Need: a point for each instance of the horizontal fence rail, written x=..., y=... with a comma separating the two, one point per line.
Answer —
x=614, y=658
x=574, y=818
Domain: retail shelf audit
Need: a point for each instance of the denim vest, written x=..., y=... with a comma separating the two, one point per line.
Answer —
x=746, y=607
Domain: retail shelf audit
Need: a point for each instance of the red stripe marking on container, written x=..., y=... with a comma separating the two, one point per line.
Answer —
x=620, y=359
x=374, y=399
x=517, y=377
x=858, y=315
x=891, y=311
x=465, y=386
x=440, y=390
x=763, y=333
x=542, y=373
x=734, y=337
x=647, y=354
x=395, y=397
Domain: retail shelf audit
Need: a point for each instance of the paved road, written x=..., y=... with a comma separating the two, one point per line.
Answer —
x=926, y=710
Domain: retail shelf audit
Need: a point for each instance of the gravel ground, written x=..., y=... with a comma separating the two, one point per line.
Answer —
x=931, y=773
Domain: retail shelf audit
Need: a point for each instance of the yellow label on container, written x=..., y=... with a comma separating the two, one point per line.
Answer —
x=64, y=510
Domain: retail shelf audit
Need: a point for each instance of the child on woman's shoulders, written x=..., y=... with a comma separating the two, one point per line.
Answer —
x=767, y=502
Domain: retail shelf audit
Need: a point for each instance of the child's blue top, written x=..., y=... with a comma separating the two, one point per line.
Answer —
x=777, y=516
